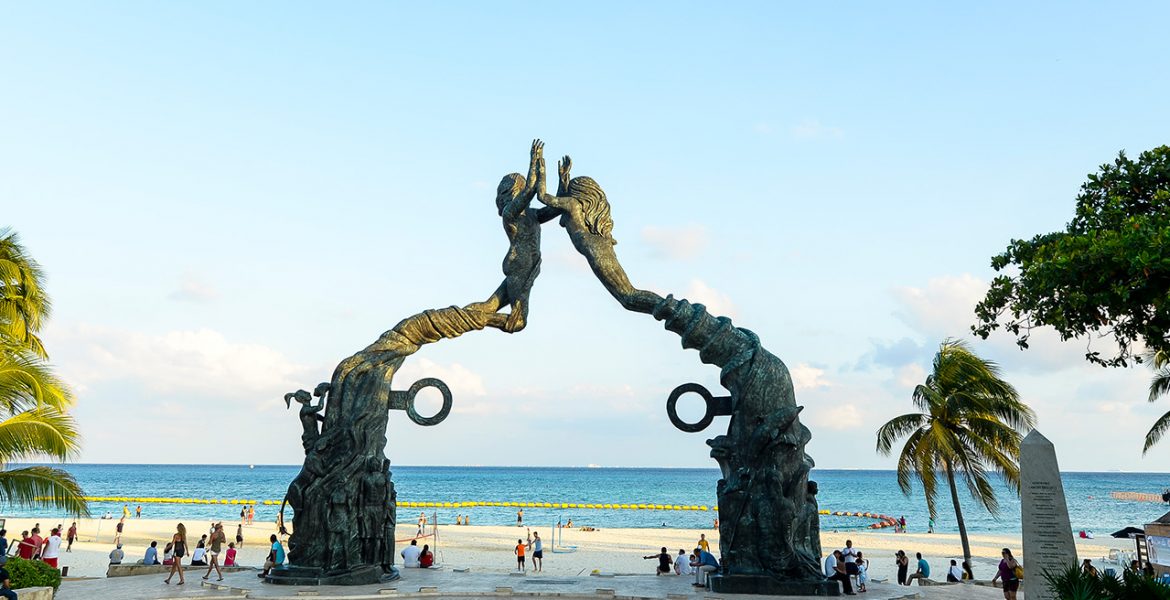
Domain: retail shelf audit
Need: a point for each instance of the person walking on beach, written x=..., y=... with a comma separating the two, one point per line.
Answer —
x=72, y=535
x=903, y=563
x=520, y=518
x=519, y=555
x=1008, y=574
x=422, y=525
x=703, y=543
x=930, y=525
x=240, y=535
x=52, y=548
x=243, y=514
x=218, y=539
x=138, y=512
x=180, y=547
x=537, y=548
x=125, y=510
x=902, y=522
x=664, y=562
x=118, y=530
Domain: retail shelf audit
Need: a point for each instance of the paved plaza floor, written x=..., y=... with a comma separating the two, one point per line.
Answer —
x=446, y=583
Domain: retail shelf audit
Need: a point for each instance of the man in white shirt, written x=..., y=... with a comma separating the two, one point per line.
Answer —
x=410, y=555
x=849, y=555
x=682, y=564
x=52, y=549
x=830, y=565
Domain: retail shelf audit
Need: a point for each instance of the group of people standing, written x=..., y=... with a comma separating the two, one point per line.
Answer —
x=34, y=547
x=848, y=566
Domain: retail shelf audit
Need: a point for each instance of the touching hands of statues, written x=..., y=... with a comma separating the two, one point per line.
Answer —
x=563, y=167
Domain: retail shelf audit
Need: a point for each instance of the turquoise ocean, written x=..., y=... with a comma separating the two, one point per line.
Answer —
x=1087, y=494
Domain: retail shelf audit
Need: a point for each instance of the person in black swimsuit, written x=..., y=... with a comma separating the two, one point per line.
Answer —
x=664, y=562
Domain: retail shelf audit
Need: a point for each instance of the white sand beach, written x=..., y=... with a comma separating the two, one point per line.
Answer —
x=489, y=548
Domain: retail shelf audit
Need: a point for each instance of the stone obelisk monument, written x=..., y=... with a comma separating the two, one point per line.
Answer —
x=1048, y=540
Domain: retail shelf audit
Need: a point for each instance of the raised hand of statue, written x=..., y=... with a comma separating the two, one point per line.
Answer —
x=563, y=167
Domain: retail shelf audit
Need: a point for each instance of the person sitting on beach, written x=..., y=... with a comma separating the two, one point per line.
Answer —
x=968, y=574
x=569, y=524
x=200, y=553
x=664, y=561
x=706, y=564
x=1088, y=568
x=682, y=564
x=426, y=558
x=229, y=557
x=410, y=555
x=116, y=555
x=839, y=573
x=151, y=557
x=169, y=553
x=830, y=565
x=923, y=571
x=275, y=557
x=5, y=583
x=954, y=574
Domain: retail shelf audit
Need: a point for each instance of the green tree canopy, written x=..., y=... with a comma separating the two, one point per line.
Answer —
x=1106, y=275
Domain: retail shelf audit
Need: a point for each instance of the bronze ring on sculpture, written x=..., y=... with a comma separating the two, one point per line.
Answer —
x=415, y=389
x=715, y=407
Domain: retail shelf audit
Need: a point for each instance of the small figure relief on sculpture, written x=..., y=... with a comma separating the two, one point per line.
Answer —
x=585, y=216
x=310, y=414
x=522, y=263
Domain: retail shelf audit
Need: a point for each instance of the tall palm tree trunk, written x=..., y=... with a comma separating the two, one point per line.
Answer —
x=958, y=512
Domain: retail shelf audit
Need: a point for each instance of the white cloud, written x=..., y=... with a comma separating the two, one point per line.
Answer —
x=194, y=289
x=676, y=243
x=717, y=303
x=462, y=381
x=812, y=129
x=945, y=307
x=200, y=362
x=910, y=375
x=837, y=417
x=806, y=377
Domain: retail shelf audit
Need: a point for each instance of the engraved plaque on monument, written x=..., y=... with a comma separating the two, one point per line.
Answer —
x=1048, y=540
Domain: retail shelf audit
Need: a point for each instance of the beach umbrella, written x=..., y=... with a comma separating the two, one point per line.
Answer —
x=1128, y=532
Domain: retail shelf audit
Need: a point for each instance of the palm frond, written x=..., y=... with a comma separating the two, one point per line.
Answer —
x=1154, y=435
x=43, y=486
x=897, y=428
x=38, y=433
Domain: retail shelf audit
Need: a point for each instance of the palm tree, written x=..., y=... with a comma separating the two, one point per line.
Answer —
x=970, y=421
x=23, y=303
x=33, y=401
x=1159, y=386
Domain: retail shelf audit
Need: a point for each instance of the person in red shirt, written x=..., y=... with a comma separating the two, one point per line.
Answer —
x=426, y=558
x=27, y=547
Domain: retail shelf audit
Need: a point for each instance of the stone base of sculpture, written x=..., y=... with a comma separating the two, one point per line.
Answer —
x=292, y=575
x=770, y=586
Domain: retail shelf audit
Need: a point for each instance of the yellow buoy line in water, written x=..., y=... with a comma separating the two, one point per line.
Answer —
x=883, y=520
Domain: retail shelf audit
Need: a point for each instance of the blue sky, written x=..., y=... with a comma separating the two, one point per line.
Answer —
x=230, y=198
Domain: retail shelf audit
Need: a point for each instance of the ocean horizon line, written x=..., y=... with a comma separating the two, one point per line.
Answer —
x=573, y=467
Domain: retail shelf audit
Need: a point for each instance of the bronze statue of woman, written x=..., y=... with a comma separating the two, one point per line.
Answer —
x=585, y=215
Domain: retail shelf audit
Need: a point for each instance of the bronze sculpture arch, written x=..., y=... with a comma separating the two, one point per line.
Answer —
x=344, y=500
